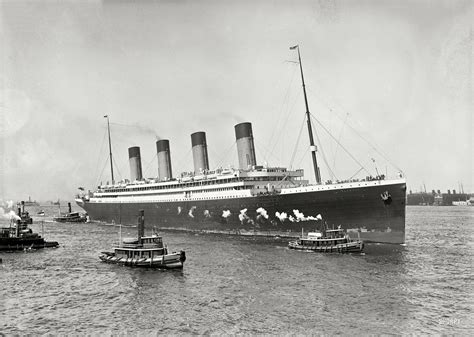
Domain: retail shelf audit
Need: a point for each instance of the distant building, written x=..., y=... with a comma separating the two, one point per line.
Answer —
x=436, y=198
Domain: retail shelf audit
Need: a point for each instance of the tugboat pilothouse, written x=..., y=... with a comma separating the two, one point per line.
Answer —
x=144, y=251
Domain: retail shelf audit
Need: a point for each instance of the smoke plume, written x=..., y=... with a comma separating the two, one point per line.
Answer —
x=11, y=215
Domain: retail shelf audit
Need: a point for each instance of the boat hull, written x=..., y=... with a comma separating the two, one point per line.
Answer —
x=349, y=247
x=72, y=220
x=12, y=244
x=169, y=261
x=365, y=210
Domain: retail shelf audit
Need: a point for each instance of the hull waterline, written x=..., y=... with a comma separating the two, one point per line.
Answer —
x=357, y=209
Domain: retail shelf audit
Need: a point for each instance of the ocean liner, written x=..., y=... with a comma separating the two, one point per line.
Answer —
x=251, y=199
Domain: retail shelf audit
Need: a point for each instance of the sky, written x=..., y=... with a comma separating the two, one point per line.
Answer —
x=389, y=87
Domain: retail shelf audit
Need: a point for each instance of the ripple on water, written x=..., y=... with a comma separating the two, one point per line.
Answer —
x=242, y=285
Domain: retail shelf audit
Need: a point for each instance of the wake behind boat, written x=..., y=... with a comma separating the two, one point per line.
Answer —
x=144, y=251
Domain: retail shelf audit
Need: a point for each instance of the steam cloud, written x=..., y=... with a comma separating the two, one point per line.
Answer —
x=190, y=213
x=262, y=212
x=11, y=215
x=7, y=203
x=282, y=216
x=226, y=214
x=299, y=216
x=243, y=215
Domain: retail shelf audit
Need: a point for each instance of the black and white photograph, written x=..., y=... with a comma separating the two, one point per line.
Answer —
x=219, y=167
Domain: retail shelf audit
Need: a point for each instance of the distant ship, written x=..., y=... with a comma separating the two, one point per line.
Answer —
x=436, y=198
x=253, y=199
x=30, y=202
x=70, y=216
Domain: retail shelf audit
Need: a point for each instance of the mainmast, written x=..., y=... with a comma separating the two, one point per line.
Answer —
x=310, y=130
x=110, y=150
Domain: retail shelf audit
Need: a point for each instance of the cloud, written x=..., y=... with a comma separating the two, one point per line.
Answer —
x=16, y=112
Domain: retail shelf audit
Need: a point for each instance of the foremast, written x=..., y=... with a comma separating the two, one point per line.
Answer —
x=310, y=130
x=110, y=150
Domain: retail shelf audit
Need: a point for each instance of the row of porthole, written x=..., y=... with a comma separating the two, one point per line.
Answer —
x=149, y=195
x=328, y=188
x=167, y=200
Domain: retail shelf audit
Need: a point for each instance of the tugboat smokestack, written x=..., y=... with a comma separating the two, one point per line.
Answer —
x=135, y=163
x=245, y=145
x=69, y=207
x=18, y=222
x=141, y=224
x=200, y=157
x=164, y=159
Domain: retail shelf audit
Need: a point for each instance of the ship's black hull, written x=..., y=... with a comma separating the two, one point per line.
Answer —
x=12, y=244
x=363, y=209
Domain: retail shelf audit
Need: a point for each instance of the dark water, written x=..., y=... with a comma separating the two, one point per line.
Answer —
x=244, y=285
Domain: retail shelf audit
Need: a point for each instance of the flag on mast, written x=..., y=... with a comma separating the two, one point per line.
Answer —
x=294, y=47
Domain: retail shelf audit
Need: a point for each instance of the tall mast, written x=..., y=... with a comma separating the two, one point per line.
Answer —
x=310, y=130
x=110, y=150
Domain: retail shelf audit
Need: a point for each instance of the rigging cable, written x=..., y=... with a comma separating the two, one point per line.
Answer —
x=359, y=135
x=285, y=102
x=116, y=166
x=297, y=143
x=339, y=139
x=226, y=155
x=329, y=133
x=292, y=109
x=150, y=162
x=356, y=173
x=184, y=159
x=268, y=152
x=103, y=168
x=100, y=155
x=333, y=176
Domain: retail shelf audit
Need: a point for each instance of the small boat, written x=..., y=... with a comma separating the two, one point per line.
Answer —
x=330, y=240
x=144, y=251
x=71, y=216
x=30, y=202
x=20, y=237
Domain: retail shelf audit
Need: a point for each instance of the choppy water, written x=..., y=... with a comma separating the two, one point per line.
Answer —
x=244, y=285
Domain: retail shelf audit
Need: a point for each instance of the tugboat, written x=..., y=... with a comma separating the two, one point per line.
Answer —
x=330, y=240
x=20, y=237
x=70, y=216
x=144, y=251
x=25, y=218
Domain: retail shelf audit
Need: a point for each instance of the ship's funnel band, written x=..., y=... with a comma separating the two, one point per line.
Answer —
x=198, y=138
x=164, y=159
x=243, y=130
x=135, y=163
x=245, y=146
x=200, y=157
x=163, y=145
